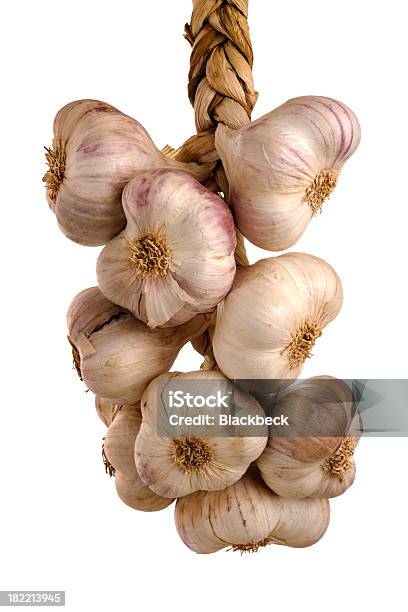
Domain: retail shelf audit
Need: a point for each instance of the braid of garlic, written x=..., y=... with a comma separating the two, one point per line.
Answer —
x=220, y=87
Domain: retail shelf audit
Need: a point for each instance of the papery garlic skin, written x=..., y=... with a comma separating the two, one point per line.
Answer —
x=282, y=167
x=117, y=355
x=248, y=516
x=175, y=461
x=119, y=450
x=96, y=151
x=203, y=345
x=314, y=458
x=175, y=257
x=277, y=308
x=106, y=410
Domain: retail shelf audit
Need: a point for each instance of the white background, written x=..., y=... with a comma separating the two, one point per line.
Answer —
x=61, y=524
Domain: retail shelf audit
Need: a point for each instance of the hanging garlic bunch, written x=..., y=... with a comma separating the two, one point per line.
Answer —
x=268, y=324
x=119, y=446
x=314, y=457
x=283, y=166
x=176, y=256
x=167, y=276
x=175, y=461
x=248, y=516
x=117, y=355
x=95, y=152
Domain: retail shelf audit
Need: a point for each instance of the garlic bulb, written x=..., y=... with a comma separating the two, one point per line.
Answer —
x=106, y=410
x=119, y=450
x=177, y=460
x=283, y=166
x=96, y=150
x=248, y=516
x=268, y=324
x=176, y=256
x=116, y=355
x=315, y=457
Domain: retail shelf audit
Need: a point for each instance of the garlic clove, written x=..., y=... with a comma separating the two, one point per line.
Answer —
x=134, y=493
x=176, y=256
x=120, y=439
x=96, y=150
x=248, y=516
x=303, y=521
x=119, y=450
x=167, y=304
x=283, y=166
x=191, y=516
x=331, y=486
x=292, y=298
x=118, y=355
x=175, y=461
x=287, y=221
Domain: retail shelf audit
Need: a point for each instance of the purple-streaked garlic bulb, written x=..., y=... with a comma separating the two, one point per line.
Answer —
x=96, y=150
x=283, y=166
x=175, y=258
x=268, y=324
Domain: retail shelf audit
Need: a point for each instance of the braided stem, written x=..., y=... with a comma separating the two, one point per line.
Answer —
x=220, y=87
x=221, y=90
